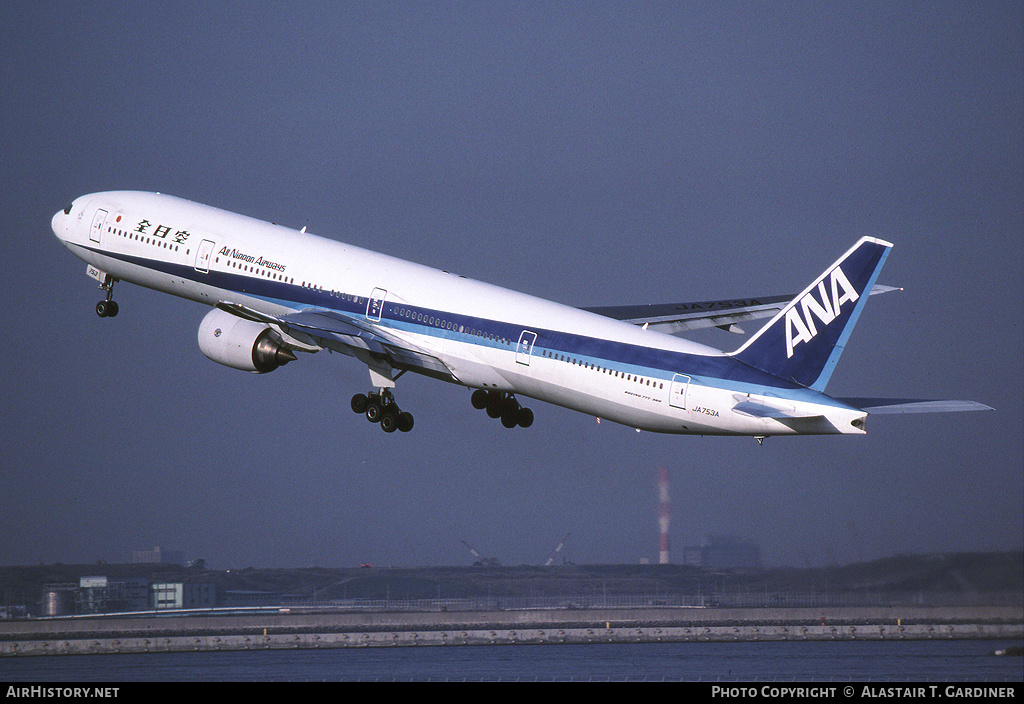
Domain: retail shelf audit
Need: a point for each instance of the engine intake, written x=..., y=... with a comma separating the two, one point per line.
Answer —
x=242, y=344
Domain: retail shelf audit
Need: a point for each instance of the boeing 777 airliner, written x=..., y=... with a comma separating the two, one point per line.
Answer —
x=277, y=291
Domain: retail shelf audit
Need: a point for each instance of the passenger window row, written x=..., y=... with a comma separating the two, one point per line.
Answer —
x=248, y=269
x=438, y=322
x=642, y=381
x=144, y=239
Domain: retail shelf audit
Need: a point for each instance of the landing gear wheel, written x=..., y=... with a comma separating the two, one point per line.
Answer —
x=479, y=399
x=495, y=404
x=374, y=410
x=405, y=421
x=389, y=421
x=504, y=406
x=359, y=402
x=106, y=309
x=510, y=420
x=381, y=408
x=525, y=418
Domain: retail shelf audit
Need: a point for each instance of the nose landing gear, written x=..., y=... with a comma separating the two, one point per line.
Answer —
x=381, y=408
x=107, y=308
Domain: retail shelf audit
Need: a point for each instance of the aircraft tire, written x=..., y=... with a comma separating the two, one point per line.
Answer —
x=106, y=309
x=405, y=421
x=479, y=399
x=509, y=420
x=373, y=411
x=525, y=418
x=389, y=421
x=359, y=402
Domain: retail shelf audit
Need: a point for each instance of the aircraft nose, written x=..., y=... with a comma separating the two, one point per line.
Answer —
x=60, y=222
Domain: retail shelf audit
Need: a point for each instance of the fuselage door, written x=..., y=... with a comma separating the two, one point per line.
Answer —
x=525, y=347
x=677, y=391
x=97, y=225
x=375, y=306
x=203, y=256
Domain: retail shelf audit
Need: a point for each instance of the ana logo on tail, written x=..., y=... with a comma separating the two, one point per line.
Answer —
x=802, y=328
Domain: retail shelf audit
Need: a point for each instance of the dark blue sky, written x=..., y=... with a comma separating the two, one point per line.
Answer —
x=591, y=153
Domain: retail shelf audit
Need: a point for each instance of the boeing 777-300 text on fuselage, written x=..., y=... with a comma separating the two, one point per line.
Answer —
x=277, y=291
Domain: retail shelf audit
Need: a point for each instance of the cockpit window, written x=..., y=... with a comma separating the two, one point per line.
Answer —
x=67, y=210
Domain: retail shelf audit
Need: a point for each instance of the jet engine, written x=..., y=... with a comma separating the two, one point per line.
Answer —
x=242, y=344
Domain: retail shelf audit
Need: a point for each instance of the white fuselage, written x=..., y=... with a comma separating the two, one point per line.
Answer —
x=486, y=336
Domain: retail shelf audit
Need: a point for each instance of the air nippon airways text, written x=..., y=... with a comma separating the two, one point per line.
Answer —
x=800, y=326
x=251, y=259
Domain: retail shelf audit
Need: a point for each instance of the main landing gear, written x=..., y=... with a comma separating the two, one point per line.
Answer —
x=501, y=405
x=381, y=408
x=107, y=308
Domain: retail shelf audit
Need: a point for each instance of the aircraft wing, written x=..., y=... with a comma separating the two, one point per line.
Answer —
x=725, y=314
x=361, y=338
x=903, y=405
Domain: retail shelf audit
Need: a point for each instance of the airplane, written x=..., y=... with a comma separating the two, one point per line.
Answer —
x=275, y=292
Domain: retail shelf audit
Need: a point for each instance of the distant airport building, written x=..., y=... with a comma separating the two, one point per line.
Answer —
x=159, y=556
x=102, y=595
x=183, y=595
x=724, y=552
x=95, y=595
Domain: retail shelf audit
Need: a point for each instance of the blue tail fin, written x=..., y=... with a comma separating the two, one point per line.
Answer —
x=803, y=342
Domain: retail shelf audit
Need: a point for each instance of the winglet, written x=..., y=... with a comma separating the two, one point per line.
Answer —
x=803, y=342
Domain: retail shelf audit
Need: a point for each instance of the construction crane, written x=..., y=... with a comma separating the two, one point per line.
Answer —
x=481, y=561
x=557, y=550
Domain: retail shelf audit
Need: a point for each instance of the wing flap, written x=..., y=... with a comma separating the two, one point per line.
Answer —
x=319, y=325
x=362, y=334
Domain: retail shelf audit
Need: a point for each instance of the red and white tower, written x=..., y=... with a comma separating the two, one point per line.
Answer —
x=663, y=514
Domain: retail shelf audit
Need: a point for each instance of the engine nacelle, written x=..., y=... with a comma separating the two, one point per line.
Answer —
x=241, y=344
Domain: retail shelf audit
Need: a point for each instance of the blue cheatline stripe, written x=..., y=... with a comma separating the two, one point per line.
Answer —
x=618, y=356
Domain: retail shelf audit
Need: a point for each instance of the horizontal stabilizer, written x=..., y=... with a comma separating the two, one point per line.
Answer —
x=902, y=405
x=673, y=318
x=760, y=410
x=797, y=421
x=747, y=406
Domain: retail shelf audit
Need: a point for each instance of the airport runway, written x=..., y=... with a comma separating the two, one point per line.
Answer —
x=282, y=629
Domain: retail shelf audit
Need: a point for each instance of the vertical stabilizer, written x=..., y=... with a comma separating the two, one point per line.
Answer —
x=803, y=342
